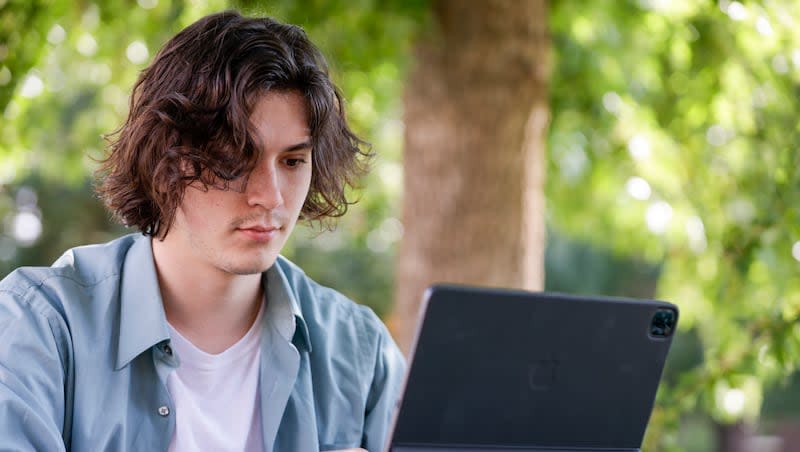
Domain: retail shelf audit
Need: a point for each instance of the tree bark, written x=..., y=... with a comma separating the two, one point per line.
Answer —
x=476, y=114
x=733, y=437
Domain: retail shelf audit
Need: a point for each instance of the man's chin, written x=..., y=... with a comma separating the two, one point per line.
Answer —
x=247, y=271
x=251, y=268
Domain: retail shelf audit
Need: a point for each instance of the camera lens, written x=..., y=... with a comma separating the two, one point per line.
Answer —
x=663, y=323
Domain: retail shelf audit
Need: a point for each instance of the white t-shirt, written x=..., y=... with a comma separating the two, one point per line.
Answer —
x=216, y=397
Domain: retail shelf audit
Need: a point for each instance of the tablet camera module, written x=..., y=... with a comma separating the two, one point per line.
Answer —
x=663, y=323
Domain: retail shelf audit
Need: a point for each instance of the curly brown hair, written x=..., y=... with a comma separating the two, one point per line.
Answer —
x=189, y=120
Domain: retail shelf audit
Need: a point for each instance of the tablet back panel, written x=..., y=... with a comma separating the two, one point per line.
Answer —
x=496, y=369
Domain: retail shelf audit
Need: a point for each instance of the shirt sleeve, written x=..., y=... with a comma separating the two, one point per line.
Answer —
x=388, y=379
x=32, y=382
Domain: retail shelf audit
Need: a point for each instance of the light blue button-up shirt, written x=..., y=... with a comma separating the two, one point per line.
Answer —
x=84, y=359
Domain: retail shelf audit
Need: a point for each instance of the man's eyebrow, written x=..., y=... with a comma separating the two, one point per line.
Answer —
x=299, y=146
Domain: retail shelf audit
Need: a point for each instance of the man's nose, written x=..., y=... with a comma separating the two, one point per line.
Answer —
x=263, y=187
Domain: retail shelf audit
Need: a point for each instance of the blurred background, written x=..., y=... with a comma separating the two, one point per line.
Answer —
x=667, y=161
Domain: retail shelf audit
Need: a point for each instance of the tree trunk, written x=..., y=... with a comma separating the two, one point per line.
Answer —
x=733, y=437
x=476, y=115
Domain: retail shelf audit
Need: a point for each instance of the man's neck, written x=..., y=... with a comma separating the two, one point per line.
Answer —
x=211, y=308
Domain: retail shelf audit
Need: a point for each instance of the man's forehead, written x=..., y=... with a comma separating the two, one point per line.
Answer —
x=281, y=118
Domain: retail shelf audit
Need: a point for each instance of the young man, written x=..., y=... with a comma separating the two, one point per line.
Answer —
x=196, y=334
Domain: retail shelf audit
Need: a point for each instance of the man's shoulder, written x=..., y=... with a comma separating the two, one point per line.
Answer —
x=80, y=267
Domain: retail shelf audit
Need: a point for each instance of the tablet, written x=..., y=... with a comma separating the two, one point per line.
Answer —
x=498, y=370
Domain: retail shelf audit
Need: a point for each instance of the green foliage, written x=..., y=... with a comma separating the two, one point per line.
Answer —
x=674, y=138
x=23, y=31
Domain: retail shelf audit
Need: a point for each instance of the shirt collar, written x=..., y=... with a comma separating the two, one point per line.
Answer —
x=143, y=322
x=283, y=308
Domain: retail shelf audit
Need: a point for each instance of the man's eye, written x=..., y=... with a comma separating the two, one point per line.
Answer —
x=294, y=162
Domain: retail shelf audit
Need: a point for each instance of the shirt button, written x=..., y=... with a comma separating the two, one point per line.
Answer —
x=167, y=349
x=163, y=410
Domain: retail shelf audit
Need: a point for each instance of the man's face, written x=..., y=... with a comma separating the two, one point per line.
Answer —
x=242, y=232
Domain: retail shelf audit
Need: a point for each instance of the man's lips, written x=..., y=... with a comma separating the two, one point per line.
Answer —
x=259, y=233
